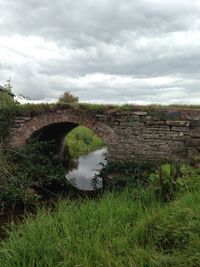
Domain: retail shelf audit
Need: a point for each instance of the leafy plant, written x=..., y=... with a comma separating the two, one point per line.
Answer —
x=166, y=180
x=68, y=97
x=6, y=122
x=31, y=167
x=126, y=173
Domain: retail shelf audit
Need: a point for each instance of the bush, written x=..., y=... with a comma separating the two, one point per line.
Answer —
x=35, y=165
x=165, y=180
x=170, y=180
x=67, y=98
x=6, y=101
x=8, y=109
x=126, y=173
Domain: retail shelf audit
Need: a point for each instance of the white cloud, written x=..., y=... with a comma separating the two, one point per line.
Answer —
x=107, y=51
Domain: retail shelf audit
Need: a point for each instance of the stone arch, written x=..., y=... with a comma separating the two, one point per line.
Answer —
x=19, y=136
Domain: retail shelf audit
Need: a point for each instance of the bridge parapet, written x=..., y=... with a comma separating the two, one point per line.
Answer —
x=135, y=135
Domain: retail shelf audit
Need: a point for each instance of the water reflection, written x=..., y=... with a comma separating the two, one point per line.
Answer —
x=82, y=171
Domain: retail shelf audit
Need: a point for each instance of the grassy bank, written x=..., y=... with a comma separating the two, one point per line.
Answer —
x=128, y=228
x=82, y=140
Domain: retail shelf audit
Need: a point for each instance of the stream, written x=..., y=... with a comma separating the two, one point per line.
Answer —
x=85, y=168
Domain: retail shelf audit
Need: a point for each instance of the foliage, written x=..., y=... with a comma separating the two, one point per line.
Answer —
x=8, y=86
x=126, y=173
x=127, y=228
x=33, y=166
x=82, y=140
x=170, y=180
x=68, y=97
x=8, y=109
x=96, y=108
x=166, y=180
x=6, y=101
x=6, y=121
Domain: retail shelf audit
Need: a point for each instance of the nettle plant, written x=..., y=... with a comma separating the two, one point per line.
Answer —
x=167, y=180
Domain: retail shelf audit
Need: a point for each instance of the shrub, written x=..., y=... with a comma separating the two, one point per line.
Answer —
x=33, y=166
x=67, y=98
x=126, y=173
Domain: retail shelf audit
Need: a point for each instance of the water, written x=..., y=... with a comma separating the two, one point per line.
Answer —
x=85, y=168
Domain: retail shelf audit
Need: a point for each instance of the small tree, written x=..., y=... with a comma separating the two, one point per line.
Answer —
x=8, y=86
x=6, y=101
x=6, y=96
x=67, y=98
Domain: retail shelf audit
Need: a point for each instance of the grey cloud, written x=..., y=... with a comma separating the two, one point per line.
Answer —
x=138, y=39
x=130, y=60
x=99, y=20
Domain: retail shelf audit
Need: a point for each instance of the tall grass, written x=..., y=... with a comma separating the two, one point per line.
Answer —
x=128, y=228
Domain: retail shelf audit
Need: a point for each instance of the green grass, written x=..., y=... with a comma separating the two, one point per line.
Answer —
x=82, y=140
x=128, y=228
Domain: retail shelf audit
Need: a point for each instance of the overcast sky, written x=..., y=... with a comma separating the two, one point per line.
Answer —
x=139, y=51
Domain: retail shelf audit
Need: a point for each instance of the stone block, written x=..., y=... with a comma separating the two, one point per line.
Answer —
x=140, y=113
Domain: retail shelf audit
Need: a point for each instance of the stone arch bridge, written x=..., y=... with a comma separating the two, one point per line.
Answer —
x=148, y=134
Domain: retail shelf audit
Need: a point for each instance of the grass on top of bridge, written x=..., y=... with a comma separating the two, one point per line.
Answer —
x=99, y=107
x=33, y=109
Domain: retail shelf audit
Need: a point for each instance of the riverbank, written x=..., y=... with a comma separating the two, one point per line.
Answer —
x=81, y=141
x=131, y=227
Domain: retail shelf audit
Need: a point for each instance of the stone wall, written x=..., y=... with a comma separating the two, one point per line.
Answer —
x=138, y=135
x=169, y=134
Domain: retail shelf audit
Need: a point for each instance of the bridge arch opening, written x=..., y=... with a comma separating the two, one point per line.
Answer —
x=83, y=152
x=59, y=132
x=57, y=126
x=56, y=132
